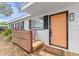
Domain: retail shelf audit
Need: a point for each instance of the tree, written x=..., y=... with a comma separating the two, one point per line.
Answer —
x=3, y=23
x=5, y=9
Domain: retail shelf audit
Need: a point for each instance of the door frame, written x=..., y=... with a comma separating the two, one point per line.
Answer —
x=66, y=29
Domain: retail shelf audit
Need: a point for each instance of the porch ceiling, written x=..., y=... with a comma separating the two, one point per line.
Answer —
x=45, y=7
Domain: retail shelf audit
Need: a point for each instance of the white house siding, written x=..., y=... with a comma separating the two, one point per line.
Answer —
x=73, y=27
x=26, y=24
x=73, y=33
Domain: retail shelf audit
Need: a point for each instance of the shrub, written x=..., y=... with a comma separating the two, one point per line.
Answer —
x=7, y=34
x=8, y=38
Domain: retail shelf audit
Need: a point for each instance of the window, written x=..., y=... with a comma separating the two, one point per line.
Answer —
x=19, y=26
x=12, y=26
x=37, y=24
x=40, y=23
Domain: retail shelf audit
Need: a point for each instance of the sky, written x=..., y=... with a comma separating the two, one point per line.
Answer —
x=16, y=12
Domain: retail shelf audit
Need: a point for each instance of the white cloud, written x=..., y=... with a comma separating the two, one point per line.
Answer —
x=2, y=20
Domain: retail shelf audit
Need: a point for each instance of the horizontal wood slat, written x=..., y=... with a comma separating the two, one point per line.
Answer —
x=23, y=39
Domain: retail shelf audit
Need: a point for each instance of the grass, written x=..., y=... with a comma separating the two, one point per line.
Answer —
x=6, y=35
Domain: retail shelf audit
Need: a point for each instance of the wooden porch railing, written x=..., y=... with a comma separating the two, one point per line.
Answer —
x=23, y=39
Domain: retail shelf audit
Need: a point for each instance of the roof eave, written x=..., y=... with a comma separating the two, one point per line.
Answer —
x=27, y=5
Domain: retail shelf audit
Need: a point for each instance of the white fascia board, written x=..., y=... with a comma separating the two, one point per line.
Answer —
x=27, y=5
x=19, y=18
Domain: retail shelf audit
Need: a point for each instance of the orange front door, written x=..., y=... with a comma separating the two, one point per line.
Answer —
x=59, y=29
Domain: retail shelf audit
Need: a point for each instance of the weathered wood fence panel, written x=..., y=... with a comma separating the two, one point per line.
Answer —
x=23, y=39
